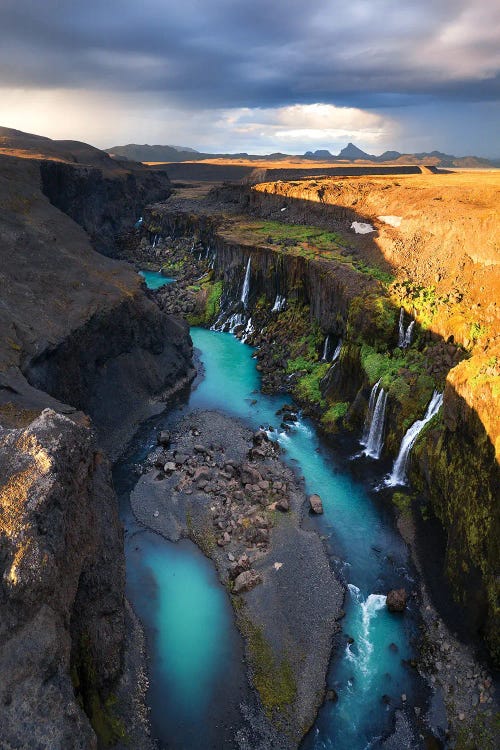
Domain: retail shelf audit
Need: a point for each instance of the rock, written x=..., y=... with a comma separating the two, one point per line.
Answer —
x=181, y=459
x=260, y=437
x=199, y=449
x=283, y=504
x=249, y=475
x=202, y=473
x=256, y=453
x=316, y=504
x=331, y=695
x=156, y=513
x=164, y=438
x=246, y=581
x=242, y=564
x=169, y=467
x=396, y=600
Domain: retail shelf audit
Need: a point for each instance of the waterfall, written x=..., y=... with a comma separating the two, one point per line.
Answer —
x=233, y=322
x=246, y=286
x=336, y=353
x=398, y=474
x=369, y=413
x=401, y=337
x=404, y=337
x=248, y=330
x=325, y=349
x=374, y=424
x=408, y=335
x=279, y=303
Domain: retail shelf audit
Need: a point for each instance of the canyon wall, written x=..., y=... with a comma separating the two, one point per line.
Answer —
x=85, y=357
x=454, y=466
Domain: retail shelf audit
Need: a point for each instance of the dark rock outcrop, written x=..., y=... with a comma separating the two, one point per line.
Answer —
x=105, y=202
x=396, y=600
x=78, y=335
x=62, y=568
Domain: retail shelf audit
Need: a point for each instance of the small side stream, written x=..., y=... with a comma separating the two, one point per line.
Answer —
x=193, y=642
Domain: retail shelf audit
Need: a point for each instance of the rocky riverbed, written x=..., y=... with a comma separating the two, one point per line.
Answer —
x=214, y=481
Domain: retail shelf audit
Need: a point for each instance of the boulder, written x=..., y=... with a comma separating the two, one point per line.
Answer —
x=246, y=581
x=163, y=438
x=249, y=475
x=283, y=504
x=260, y=437
x=316, y=504
x=202, y=473
x=396, y=600
x=169, y=467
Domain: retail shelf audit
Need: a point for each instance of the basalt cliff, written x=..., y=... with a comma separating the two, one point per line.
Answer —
x=85, y=356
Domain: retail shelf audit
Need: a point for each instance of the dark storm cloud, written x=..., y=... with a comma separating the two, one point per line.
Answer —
x=263, y=53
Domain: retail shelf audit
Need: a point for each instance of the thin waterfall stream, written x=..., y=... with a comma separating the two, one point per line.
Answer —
x=369, y=670
x=373, y=433
x=398, y=473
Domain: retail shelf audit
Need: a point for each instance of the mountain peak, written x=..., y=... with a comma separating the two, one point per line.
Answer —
x=353, y=152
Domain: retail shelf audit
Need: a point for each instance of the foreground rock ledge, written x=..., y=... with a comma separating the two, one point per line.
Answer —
x=62, y=569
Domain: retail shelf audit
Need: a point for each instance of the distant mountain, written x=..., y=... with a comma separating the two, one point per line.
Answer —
x=351, y=153
x=145, y=152
x=389, y=156
x=320, y=154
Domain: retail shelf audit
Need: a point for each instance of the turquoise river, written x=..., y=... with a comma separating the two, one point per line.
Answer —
x=186, y=613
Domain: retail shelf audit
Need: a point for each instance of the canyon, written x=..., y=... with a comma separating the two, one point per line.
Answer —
x=87, y=356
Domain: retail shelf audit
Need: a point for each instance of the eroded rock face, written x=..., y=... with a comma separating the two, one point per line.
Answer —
x=62, y=580
x=396, y=600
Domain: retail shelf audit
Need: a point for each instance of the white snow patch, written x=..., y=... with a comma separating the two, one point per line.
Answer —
x=361, y=228
x=394, y=221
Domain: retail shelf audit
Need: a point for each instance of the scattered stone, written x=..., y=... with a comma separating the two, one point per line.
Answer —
x=316, y=504
x=260, y=437
x=202, y=473
x=246, y=581
x=164, y=438
x=277, y=565
x=283, y=504
x=396, y=600
x=249, y=475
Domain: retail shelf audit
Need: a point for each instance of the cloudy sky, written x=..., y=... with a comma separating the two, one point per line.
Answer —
x=255, y=75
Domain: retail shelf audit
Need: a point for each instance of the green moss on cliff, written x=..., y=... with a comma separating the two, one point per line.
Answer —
x=332, y=418
x=307, y=389
x=101, y=711
x=458, y=472
x=208, y=306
